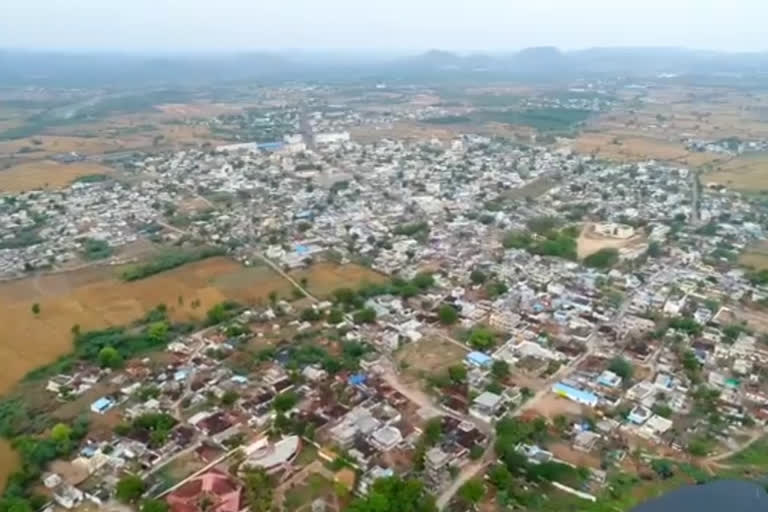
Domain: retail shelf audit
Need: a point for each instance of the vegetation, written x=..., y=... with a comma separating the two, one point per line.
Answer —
x=96, y=249
x=481, y=338
x=621, y=367
x=395, y=495
x=169, y=261
x=447, y=314
x=258, y=490
x=129, y=489
x=604, y=258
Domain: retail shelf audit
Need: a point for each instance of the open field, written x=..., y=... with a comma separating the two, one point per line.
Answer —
x=94, y=297
x=590, y=242
x=552, y=405
x=45, y=174
x=612, y=146
x=744, y=173
x=431, y=355
x=755, y=257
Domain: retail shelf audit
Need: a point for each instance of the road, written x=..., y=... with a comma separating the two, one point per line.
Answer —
x=291, y=280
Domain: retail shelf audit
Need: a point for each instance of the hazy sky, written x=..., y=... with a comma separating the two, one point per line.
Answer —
x=195, y=25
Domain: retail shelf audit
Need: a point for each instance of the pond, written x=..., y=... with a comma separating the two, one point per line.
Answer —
x=720, y=496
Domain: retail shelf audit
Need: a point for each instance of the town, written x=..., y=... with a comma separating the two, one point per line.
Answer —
x=537, y=328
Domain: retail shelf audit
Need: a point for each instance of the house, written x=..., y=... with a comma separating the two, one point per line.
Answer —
x=639, y=414
x=609, y=379
x=575, y=394
x=272, y=457
x=386, y=438
x=485, y=406
x=212, y=491
x=102, y=405
x=479, y=360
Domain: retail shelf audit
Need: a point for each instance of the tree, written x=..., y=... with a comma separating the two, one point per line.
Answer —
x=258, y=490
x=481, y=338
x=654, y=250
x=229, y=398
x=61, y=432
x=109, y=357
x=458, y=373
x=604, y=258
x=432, y=431
x=365, y=316
x=284, y=402
x=35, y=309
x=447, y=314
x=500, y=369
x=395, y=495
x=335, y=317
x=423, y=280
x=472, y=491
x=154, y=506
x=129, y=489
x=477, y=277
x=621, y=367
x=272, y=297
x=158, y=332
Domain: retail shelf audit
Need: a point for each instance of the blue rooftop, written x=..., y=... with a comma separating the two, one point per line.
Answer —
x=575, y=394
x=357, y=380
x=302, y=249
x=479, y=359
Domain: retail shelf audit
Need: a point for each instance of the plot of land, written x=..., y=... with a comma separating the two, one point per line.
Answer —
x=45, y=174
x=430, y=356
x=590, y=242
x=746, y=173
x=552, y=405
x=613, y=146
x=755, y=257
x=94, y=297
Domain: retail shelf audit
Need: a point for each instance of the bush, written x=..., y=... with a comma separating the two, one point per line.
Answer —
x=168, y=261
x=129, y=489
x=604, y=258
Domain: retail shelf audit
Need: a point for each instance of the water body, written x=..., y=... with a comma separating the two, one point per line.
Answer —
x=720, y=496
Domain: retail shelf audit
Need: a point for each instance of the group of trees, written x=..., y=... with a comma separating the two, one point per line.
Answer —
x=395, y=495
x=168, y=261
x=604, y=258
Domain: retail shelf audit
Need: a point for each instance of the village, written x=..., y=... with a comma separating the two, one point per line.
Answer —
x=543, y=316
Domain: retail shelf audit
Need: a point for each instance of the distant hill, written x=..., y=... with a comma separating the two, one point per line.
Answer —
x=102, y=69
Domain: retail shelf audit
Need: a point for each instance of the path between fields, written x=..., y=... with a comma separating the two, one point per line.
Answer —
x=282, y=273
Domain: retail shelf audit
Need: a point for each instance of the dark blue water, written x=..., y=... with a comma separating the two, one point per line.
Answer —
x=720, y=496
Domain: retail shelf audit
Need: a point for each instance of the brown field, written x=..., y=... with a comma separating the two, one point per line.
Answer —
x=431, y=355
x=756, y=257
x=590, y=242
x=93, y=298
x=45, y=174
x=746, y=173
x=9, y=461
x=629, y=148
x=552, y=405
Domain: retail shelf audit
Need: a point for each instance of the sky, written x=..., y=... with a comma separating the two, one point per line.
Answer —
x=398, y=25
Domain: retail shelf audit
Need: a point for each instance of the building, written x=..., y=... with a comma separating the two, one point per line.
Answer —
x=272, y=456
x=577, y=395
x=485, y=406
x=102, y=405
x=386, y=438
x=479, y=360
x=614, y=230
x=213, y=491
x=436, y=463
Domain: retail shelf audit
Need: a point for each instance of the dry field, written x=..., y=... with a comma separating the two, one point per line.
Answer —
x=745, y=173
x=590, y=242
x=94, y=297
x=45, y=174
x=756, y=257
x=429, y=356
x=551, y=405
x=9, y=461
x=629, y=148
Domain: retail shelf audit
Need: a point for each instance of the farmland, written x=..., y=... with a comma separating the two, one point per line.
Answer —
x=46, y=174
x=95, y=297
x=745, y=173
